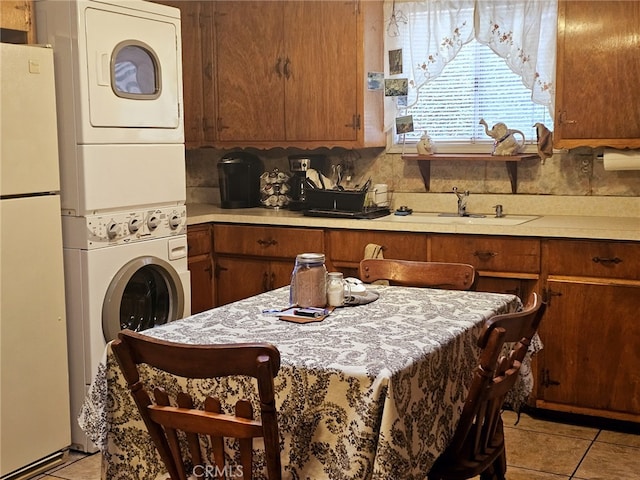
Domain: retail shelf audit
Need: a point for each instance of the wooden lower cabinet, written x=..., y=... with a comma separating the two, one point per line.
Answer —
x=253, y=259
x=345, y=248
x=503, y=264
x=239, y=278
x=201, y=268
x=590, y=363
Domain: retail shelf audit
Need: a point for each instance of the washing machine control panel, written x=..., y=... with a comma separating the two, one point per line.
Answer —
x=118, y=228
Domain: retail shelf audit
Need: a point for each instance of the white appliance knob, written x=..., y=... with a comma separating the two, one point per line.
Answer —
x=134, y=225
x=174, y=222
x=112, y=229
x=153, y=222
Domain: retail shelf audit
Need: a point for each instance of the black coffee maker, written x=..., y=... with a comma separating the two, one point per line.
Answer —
x=299, y=165
x=239, y=174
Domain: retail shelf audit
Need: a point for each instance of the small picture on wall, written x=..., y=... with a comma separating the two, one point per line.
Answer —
x=375, y=80
x=404, y=124
x=395, y=62
x=396, y=87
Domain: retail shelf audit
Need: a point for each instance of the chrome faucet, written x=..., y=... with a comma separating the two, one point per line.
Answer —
x=462, y=201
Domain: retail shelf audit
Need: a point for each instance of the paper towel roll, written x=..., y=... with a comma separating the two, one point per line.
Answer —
x=621, y=159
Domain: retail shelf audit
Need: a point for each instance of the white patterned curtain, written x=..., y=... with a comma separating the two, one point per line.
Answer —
x=522, y=32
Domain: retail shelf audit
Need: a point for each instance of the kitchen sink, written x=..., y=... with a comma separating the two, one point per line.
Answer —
x=453, y=219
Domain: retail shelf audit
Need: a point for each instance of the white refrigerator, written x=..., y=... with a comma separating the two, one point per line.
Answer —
x=34, y=384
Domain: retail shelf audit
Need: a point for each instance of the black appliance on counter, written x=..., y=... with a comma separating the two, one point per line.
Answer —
x=239, y=174
x=299, y=165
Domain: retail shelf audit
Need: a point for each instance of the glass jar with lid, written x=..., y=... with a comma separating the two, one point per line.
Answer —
x=309, y=281
x=337, y=288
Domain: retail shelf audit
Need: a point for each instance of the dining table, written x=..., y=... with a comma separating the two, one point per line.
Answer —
x=372, y=391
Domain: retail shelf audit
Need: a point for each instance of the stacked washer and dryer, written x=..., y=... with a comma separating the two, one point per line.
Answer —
x=118, y=68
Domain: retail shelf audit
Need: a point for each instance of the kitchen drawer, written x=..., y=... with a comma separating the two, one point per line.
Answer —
x=494, y=254
x=594, y=259
x=199, y=240
x=266, y=241
x=349, y=245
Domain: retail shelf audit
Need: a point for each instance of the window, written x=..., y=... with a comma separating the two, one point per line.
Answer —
x=467, y=60
x=476, y=84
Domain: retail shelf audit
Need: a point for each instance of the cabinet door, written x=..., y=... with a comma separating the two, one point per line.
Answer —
x=238, y=278
x=280, y=273
x=321, y=71
x=249, y=71
x=590, y=358
x=597, y=94
x=196, y=70
x=200, y=267
x=201, y=270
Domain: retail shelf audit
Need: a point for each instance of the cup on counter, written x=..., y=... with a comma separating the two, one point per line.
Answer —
x=338, y=291
x=381, y=195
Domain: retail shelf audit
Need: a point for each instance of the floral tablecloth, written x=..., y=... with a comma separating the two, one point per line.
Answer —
x=371, y=392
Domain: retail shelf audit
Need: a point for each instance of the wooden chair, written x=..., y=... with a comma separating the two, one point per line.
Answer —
x=452, y=276
x=478, y=447
x=258, y=360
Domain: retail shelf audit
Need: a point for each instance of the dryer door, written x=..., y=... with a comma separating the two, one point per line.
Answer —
x=144, y=293
x=133, y=69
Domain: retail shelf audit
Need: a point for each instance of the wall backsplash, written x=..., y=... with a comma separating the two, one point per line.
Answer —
x=577, y=172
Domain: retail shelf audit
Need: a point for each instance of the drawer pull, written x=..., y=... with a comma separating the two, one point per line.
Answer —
x=607, y=261
x=267, y=243
x=484, y=255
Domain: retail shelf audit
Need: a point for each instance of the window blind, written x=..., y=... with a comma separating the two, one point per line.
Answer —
x=475, y=84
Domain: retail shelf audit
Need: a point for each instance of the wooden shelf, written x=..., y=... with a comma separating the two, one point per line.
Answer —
x=424, y=162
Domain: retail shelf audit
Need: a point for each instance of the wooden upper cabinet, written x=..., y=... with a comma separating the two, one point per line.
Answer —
x=250, y=67
x=321, y=79
x=598, y=66
x=17, y=21
x=293, y=73
x=197, y=71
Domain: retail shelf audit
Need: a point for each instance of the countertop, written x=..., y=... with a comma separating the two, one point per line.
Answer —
x=558, y=226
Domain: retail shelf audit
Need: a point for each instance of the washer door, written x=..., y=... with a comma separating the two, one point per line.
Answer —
x=144, y=293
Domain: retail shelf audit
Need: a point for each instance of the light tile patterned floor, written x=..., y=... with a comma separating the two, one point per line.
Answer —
x=536, y=450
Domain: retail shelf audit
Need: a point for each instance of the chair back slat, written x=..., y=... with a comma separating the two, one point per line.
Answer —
x=212, y=405
x=451, y=276
x=184, y=400
x=163, y=420
x=244, y=410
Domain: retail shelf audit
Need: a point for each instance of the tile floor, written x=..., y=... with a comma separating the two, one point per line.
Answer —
x=536, y=450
